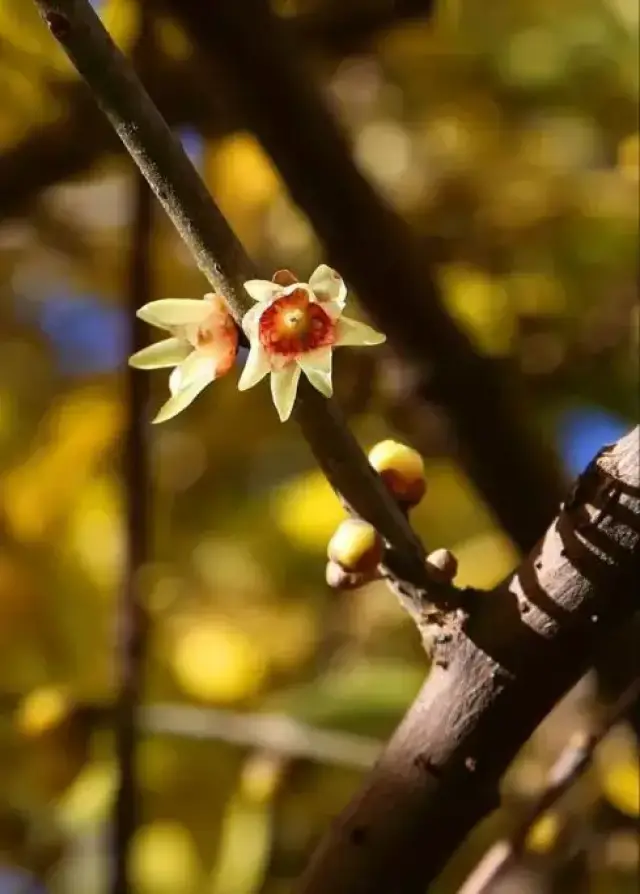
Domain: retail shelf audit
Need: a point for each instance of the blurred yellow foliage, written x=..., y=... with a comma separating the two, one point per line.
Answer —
x=481, y=305
x=42, y=710
x=629, y=157
x=29, y=56
x=17, y=594
x=215, y=661
x=544, y=833
x=452, y=508
x=121, y=18
x=260, y=776
x=87, y=801
x=7, y=411
x=621, y=785
x=243, y=180
x=96, y=535
x=164, y=859
x=172, y=40
x=158, y=762
x=484, y=560
x=243, y=847
x=80, y=428
x=534, y=294
x=288, y=632
x=26, y=38
x=307, y=510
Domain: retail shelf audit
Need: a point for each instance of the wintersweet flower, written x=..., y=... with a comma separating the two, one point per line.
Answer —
x=294, y=328
x=202, y=347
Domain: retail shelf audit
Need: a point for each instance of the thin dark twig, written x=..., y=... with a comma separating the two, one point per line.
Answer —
x=274, y=733
x=222, y=259
x=131, y=615
x=572, y=763
x=265, y=731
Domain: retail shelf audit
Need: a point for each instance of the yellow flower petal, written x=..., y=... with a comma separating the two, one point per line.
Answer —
x=170, y=312
x=251, y=320
x=180, y=401
x=352, y=332
x=316, y=365
x=196, y=368
x=284, y=385
x=162, y=354
x=262, y=289
x=328, y=285
x=333, y=309
x=256, y=367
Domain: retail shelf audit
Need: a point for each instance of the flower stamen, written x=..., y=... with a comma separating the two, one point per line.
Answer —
x=293, y=329
x=293, y=325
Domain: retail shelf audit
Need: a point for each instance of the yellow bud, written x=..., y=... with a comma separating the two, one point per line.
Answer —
x=443, y=565
x=402, y=470
x=356, y=546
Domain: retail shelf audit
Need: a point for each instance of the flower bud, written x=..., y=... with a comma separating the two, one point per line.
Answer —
x=402, y=470
x=442, y=565
x=356, y=546
x=339, y=579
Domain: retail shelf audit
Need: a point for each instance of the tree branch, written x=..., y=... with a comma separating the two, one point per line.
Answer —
x=496, y=677
x=373, y=247
x=223, y=261
x=271, y=732
x=132, y=621
x=264, y=732
x=572, y=763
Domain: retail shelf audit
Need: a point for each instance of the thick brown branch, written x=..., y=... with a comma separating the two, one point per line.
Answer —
x=499, y=674
x=373, y=247
x=572, y=763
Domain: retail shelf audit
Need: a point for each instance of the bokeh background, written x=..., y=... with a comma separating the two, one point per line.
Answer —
x=507, y=135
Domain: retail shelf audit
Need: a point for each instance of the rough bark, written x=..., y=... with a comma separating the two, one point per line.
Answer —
x=507, y=664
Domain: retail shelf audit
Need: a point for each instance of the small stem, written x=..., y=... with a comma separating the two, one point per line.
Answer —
x=267, y=732
x=218, y=254
x=131, y=616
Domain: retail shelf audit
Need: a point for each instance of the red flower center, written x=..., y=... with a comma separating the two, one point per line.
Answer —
x=293, y=325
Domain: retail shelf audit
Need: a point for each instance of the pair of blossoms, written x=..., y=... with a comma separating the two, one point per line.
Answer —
x=292, y=329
